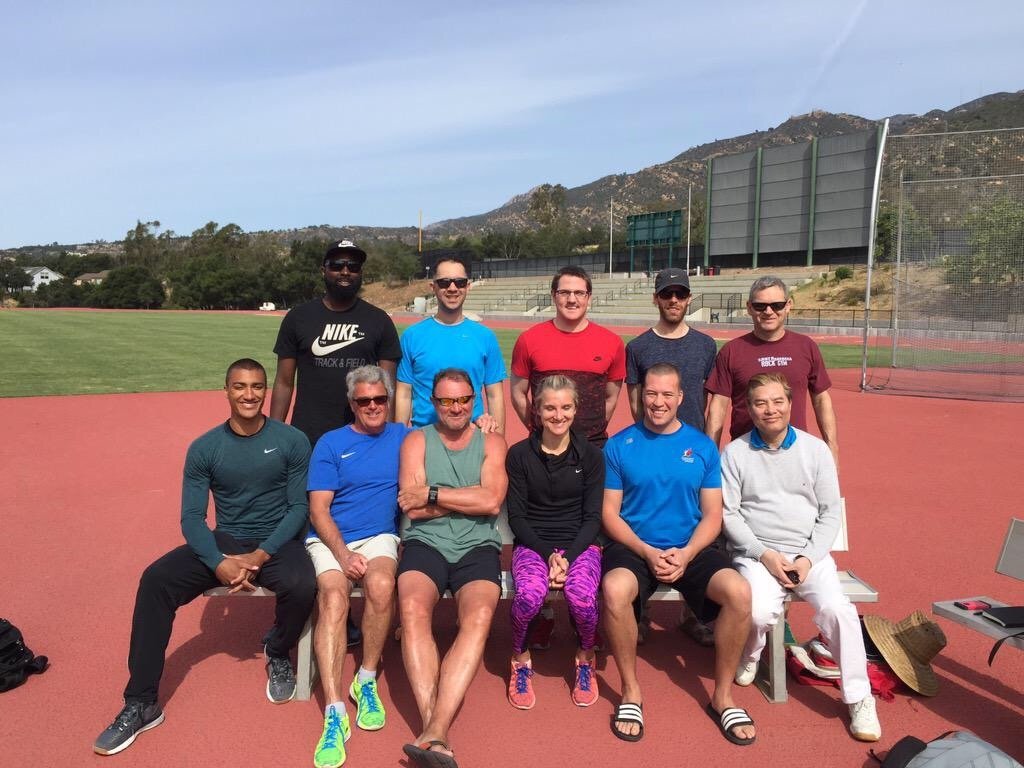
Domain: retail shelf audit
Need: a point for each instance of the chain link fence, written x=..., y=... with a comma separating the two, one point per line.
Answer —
x=949, y=265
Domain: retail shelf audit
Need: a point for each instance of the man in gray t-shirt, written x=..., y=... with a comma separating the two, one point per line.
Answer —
x=671, y=340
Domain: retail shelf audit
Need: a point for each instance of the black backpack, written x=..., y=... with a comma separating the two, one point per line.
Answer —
x=16, y=661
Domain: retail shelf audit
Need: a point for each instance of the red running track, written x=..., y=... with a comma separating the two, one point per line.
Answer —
x=89, y=495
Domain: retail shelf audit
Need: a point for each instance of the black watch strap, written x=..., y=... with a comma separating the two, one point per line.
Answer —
x=432, y=495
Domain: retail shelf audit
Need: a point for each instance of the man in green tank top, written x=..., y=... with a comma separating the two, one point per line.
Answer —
x=451, y=481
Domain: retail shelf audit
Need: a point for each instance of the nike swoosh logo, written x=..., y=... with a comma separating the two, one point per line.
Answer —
x=578, y=471
x=269, y=450
x=346, y=455
x=319, y=349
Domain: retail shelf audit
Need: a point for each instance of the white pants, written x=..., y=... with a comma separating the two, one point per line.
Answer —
x=833, y=613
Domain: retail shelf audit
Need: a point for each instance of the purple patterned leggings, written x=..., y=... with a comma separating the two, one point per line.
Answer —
x=530, y=572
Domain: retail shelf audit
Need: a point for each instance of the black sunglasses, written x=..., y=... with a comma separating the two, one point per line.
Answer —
x=674, y=293
x=363, y=402
x=448, y=402
x=336, y=265
x=761, y=306
x=444, y=282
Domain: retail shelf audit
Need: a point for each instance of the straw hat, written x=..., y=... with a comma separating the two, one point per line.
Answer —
x=908, y=648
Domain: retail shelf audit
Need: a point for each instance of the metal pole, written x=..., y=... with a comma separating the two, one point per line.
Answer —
x=896, y=281
x=689, y=193
x=883, y=132
x=611, y=235
x=420, y=248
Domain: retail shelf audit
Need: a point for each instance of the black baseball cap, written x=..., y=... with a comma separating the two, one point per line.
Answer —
x=345, y=248
x=670, y=277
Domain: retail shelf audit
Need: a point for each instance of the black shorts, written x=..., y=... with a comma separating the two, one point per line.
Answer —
x=479, y=564
x=693, y=584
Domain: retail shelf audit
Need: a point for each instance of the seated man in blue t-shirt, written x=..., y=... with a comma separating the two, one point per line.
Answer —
x=353, y=537
x=663, y=512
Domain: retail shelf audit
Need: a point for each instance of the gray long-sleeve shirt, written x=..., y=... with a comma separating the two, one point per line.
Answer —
x=786, y=499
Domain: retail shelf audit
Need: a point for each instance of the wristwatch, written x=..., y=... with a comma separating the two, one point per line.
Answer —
x=432, y=495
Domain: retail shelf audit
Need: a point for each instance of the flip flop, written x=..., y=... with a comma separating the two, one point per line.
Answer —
x=729, y=720
x=628, y=713
x=422, y=755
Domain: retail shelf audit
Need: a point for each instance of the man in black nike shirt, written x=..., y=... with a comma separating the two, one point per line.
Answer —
x=322, y=340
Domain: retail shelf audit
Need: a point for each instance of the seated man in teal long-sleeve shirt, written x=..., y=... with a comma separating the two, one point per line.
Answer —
x=255, y=468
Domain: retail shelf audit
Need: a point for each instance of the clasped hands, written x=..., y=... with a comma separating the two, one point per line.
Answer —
x=668, y=565
x=238, y=571
x=558, y=569
x=780, y=566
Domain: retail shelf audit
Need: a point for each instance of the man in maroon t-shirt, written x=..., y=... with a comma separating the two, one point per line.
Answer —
x=569, y=344
x=770, y=348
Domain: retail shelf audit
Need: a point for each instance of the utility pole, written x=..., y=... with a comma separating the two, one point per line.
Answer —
x=611, y=233
x=689, y=192
x=420, y=246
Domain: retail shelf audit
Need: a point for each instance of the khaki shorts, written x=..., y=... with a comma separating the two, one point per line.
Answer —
x=381, y=545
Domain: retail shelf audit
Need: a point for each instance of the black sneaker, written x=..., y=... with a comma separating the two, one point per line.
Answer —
x=280, y=679
x=135, y=718
x=354, y=634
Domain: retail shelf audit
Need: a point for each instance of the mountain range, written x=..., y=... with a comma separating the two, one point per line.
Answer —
x=664, y=186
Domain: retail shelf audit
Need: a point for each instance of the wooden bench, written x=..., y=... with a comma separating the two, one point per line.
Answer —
x=771, y=677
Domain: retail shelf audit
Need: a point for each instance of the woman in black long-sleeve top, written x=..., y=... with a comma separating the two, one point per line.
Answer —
x=555, y=492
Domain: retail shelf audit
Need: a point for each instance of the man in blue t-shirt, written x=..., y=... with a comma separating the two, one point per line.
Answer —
x=663, y=512
x=449, y=339
x=353, y=537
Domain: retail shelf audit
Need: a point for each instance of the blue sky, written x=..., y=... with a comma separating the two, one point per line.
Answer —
x=272, y=116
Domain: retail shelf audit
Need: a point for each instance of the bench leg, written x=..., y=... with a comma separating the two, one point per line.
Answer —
x=771, y=671
x=305, y=663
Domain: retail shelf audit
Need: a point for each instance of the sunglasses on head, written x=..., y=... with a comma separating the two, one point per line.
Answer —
x=364, y=402
x=444, y=282
x=673, y=293
x=761, y=306
x=336, y=265
x=448, y=402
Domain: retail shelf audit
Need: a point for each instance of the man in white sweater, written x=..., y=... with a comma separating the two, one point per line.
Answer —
x=781, y=499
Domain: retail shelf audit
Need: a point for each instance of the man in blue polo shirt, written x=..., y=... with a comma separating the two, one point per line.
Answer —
x=449, y=339
x=663, y=512
x=353, y=537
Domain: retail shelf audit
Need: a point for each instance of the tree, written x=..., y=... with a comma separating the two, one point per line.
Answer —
x=132, y=287
x=997, y=238
x=506, y=244
x=547, y=204
x=12, y=277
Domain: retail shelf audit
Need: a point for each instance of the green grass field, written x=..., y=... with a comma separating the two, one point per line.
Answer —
x=58, y=352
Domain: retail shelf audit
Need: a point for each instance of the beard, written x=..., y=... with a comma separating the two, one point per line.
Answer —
x=343, y=293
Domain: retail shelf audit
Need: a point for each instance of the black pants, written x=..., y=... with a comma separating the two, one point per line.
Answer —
x=179, y=577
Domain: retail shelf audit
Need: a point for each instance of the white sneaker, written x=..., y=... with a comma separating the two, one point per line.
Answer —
x=864, y=725
x=746, y=673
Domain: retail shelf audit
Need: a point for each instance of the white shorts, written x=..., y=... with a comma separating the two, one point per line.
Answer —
x=381, y=545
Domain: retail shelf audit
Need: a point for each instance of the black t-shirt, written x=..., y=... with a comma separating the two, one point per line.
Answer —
x=326, y=345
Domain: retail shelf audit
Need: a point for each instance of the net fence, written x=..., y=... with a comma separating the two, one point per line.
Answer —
x=949, y=265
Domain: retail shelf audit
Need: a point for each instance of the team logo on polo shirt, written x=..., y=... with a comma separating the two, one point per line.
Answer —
x=687, y=456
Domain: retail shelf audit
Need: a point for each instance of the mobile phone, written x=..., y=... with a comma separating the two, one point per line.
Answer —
x=795, y=577
x=972, y=605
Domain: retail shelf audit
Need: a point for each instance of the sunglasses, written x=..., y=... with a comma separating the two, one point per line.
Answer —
x=445, y=282
x=674, y=293
x=364, y=402
x=761, y=306
x=448, y=402
x=336, y=265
